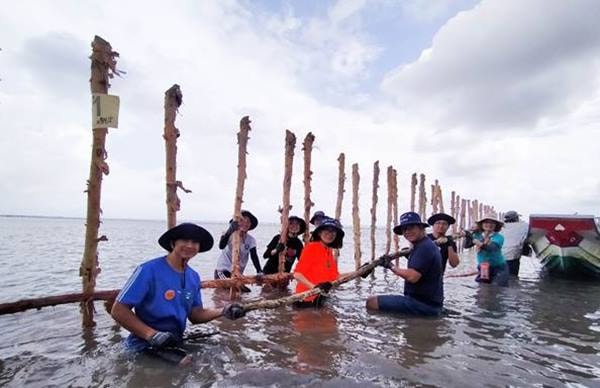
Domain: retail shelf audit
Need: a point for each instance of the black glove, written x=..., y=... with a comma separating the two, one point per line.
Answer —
x=161, y=339
x=366, y=274
x=234, y=311
x=324, y=286
x=386, y=261
x=233, y=226
x=280, y=247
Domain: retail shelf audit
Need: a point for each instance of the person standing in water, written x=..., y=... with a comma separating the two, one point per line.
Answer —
x=440, y=223
x=293, y=247
x=247, y=248
x=317, y=266
x=488, y=242
x=423, y=287
x=515, y=241
x=163, y=293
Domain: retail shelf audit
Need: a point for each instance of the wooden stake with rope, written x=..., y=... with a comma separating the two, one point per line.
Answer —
x=374, y=207
x=307, y=146
x=290, y=144
x=355, y=215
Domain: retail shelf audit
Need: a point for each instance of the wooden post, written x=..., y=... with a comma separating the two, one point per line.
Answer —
x=242, y=137
x=440, y=198
x=173, y=100
x=463, y=207
x=453, y=209
x=308, y=203
x=290, y=144
x=395, y=208
x=340, y=194
x=413, y=191
x=374, y=207
x=388, y=222
x=103, y=69
x=355, y=215
x=434, y=205
x=422, y=198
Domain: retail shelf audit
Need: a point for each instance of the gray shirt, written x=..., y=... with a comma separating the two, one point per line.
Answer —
x=224, y=261
x=515, y=234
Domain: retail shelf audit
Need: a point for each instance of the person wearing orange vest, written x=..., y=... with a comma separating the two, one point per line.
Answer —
x=317, y=267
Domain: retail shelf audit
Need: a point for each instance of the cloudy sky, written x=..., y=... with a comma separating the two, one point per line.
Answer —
x=499, y=100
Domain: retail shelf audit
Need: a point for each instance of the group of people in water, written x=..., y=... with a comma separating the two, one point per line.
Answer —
x=163, y=293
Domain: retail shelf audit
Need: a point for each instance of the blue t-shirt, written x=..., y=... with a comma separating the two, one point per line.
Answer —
x=161, y=297
x=493, y=252
x=426, y=259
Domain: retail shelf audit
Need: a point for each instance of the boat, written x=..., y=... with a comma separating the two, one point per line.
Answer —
x=566, y=244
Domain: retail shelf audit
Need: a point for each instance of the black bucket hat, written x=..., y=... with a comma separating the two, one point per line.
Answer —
x=318, y=214
x=409, y=218
x=253, y=219
x=330, y=223
x=187, y=231
x=300, y=221
x=441, y=217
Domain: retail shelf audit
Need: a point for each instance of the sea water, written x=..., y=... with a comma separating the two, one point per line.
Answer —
x=539, y=331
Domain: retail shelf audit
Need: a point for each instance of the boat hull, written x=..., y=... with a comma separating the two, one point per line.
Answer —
x=567, y=245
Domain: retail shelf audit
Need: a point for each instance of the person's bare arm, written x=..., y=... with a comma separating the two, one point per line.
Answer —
x=126, y=318
x=453, y=257
x=302, y=279
x=408, y=274
x=202, y=315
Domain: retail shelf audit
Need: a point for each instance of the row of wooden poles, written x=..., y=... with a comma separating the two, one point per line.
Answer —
x=103, y=68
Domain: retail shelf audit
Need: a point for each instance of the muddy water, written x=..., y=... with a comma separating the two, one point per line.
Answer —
x=539, y=331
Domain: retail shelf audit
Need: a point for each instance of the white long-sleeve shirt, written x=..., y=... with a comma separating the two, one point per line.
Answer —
x=515, y=234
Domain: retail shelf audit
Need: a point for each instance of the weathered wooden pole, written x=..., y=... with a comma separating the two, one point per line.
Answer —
x=388, y=221
x=453, y=209
x=434, y=199
x=242, y=138
x=395, y=207
x=374, y=207
x=307, y=146
x=173, y=100
x=422, y=198
x=440, y=198
x=103, y=68
x=413, y=191
x=340, y=193
x=290, y=144
x=355, y=215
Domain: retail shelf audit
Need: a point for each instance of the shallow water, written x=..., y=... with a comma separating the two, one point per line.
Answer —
x=539, y=331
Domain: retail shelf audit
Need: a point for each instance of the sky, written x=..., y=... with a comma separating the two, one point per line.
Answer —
x=499, y=100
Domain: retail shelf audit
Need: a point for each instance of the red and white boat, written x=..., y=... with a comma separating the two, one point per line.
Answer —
x=566, y=244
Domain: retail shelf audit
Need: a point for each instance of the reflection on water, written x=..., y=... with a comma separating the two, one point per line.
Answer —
x=538, y=331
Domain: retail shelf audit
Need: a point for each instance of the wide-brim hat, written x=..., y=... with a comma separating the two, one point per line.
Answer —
x=511, y=215
x=187, y=231
x=253, y=219
x=407, y=219
x=493, y=218
x=318, y=214
x=300, y=221
x=330, y=223
x=441, y=217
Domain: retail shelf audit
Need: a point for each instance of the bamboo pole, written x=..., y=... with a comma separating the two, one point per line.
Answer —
x=413, y=191
x=340, y=193
x=355, y=215
x=453, y=209
x=388, y=222
x=285, y=301
x=173, y=100
x=110, y=295
x=307, y=146
x=242, y=137
x=290, y=144
x=434, y=205
x=374, y=207
x=103, y=68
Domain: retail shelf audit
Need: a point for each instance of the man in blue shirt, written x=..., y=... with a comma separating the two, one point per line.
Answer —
x=164, y=292
x=423, y=288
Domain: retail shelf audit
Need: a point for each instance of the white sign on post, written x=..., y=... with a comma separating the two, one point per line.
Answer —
x=105, y=111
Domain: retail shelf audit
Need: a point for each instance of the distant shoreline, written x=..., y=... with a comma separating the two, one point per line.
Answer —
x=116, y=219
